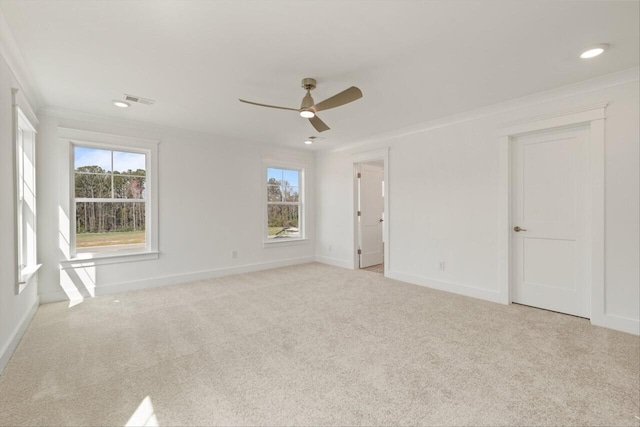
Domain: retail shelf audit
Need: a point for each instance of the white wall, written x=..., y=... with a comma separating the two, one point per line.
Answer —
x=444, y=196
x=15, y=310
x=219, y=180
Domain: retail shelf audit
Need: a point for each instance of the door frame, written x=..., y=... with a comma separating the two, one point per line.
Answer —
x=368, y=156
x=592, y=118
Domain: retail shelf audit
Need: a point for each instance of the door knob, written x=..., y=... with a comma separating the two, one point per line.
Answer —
x=517, y=229
x=380, y=220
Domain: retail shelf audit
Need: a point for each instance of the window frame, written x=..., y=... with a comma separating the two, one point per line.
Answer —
x=302, y=210
x=76, y=138
x=26, y=247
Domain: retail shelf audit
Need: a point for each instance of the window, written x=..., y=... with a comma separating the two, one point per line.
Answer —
x=284, y=204
x=25, y=140
x=111, y=199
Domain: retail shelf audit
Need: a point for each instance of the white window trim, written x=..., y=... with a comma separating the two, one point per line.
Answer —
x=74, y=137
x=90, y=260
x=23, y=117
x=284, y=164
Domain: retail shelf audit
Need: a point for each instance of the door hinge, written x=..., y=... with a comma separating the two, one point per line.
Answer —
x=359, y=213
x=359, y=175
x=359, y=251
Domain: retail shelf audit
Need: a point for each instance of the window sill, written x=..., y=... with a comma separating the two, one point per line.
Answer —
x=25, y=276
x=284, y=242
x=90, y=260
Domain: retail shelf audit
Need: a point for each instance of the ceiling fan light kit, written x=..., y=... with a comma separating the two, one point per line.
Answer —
x=309, y=109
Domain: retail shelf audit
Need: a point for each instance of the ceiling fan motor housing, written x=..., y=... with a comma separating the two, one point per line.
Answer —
x=309, y=83
x=307, y=102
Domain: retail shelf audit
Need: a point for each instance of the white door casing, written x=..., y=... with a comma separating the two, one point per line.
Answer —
x=592, y=117
x=549, y=205
x=371, y=206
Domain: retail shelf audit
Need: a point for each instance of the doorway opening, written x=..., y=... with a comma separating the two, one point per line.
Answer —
x=370, y=215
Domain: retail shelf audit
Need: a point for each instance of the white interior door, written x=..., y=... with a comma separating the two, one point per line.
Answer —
x=548, y=221
x=371, y=214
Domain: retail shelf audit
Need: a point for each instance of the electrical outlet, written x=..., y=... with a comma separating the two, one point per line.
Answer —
x=234, y=254
x=442, y=266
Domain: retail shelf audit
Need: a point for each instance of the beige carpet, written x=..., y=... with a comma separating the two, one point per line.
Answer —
x=316, y=345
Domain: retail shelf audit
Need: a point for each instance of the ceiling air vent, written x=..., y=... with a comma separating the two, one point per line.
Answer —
x=138, y=99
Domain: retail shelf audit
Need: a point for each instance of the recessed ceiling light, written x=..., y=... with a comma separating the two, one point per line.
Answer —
x=594, y=51
x=307, y=114
x=308, y=142
x=121, y=104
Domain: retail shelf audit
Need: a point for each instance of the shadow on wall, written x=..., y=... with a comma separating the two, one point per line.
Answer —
x=77, y=283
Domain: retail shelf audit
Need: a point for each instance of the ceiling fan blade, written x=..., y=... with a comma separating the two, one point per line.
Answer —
x=318, y=124
x=270, y=106
x=344, y=97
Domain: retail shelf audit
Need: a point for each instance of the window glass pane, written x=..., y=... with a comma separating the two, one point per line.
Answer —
x=103, y=227
x=92, y=185
x=129, y=163
x=290, y=177
x=274, y=176
x=92, y=159
x=291, y=194
x=129, y=186
x=283, y=221
x=20, y=164
x=26, y=186
x=274, y=193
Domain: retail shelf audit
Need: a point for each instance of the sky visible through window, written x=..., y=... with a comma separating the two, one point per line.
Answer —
x=122, y=161
x=290, y=176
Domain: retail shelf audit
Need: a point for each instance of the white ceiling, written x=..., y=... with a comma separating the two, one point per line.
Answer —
x=414, y=60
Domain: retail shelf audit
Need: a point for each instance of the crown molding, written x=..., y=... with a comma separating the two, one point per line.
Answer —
x=602, y=82
x=127, y=124
x=84, y=120
x=11, y=53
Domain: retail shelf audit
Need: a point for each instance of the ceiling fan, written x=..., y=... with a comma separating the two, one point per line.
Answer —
x=309, y=108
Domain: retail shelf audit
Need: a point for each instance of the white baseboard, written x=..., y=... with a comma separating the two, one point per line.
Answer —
x=456, y=288
x=631, y=326
x=335, y=262
x=156, y=282
x=7, y=351
x=49, y=297
x=623, y=324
